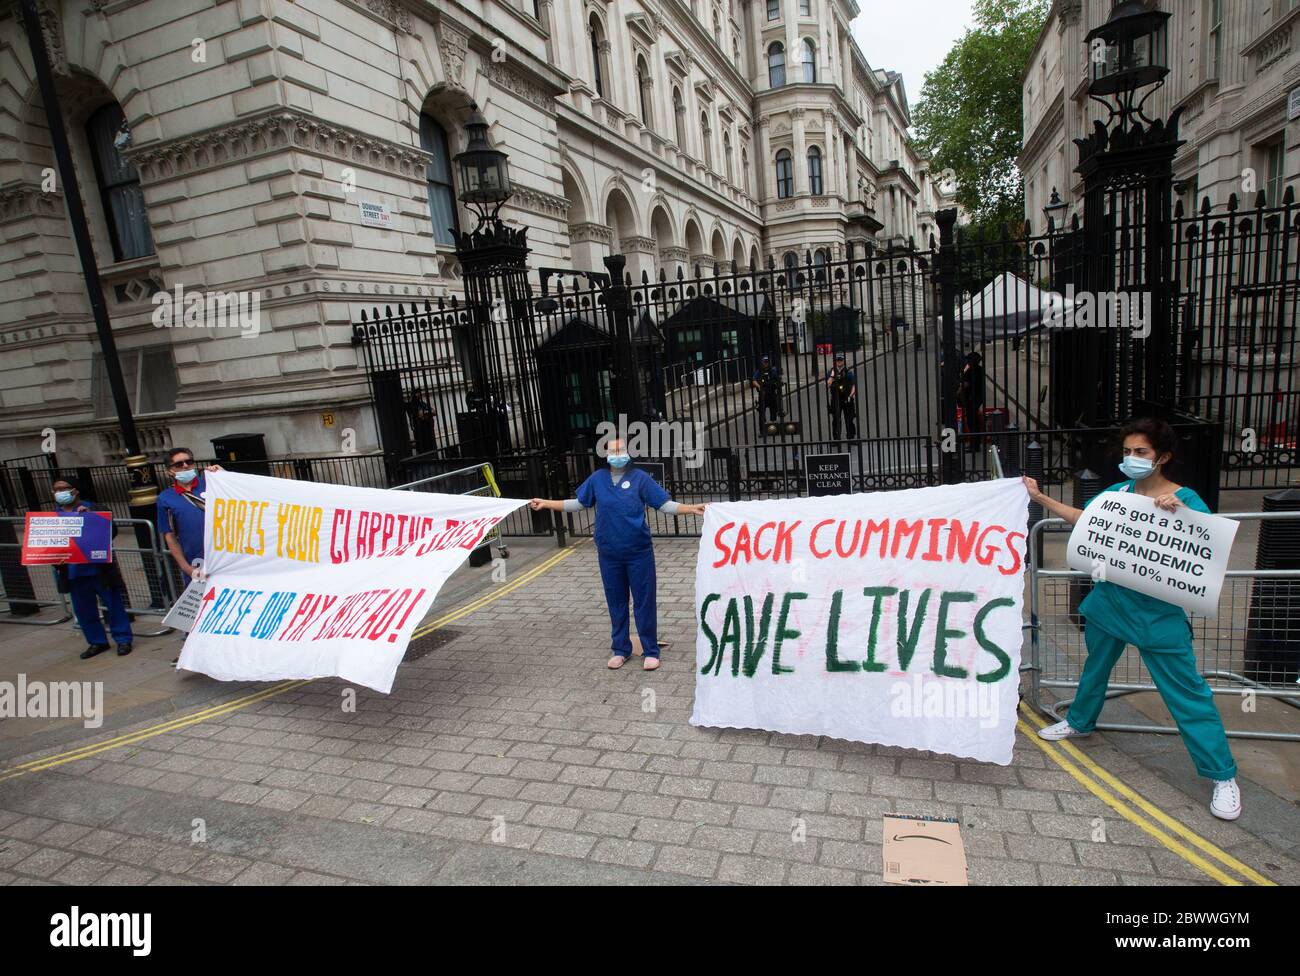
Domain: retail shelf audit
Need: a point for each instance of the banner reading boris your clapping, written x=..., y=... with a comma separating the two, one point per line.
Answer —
x=308, y=580
x=891, y=617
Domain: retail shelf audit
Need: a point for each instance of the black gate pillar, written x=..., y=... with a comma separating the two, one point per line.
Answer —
x=625, y=384
x=950, y=461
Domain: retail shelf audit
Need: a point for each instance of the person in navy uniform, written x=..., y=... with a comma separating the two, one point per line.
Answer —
x=842, y=387
x=621, y=493
x=767, y=381
x=180, y=510
x=89, y=583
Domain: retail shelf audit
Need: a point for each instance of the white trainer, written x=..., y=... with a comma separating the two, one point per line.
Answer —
x=1226, y=803
x=1061, y=730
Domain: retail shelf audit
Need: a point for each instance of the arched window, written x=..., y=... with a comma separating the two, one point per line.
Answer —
x=442, y=193
x=706, y=138
x=773, y=9
x=596, y=38
x=791, y=262
x=717, y=29
x=820, y=257
x=814, y=171
x=776, y=65
x=119, y=187
x=679, y=118
x=744, y=169
x=644, y=86
x=784, y=175
x=809, y=57
x=727, y=159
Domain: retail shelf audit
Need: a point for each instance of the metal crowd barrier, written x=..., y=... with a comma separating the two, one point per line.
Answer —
x=1248, y=611
x=488, y=488
x=151, y=586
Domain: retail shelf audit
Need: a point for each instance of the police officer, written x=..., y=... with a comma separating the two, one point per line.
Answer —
x=842, y=387
x=767, y=381
x=621, y=493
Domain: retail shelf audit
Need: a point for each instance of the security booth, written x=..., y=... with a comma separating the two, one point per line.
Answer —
x=575, y=370
x=732, y=331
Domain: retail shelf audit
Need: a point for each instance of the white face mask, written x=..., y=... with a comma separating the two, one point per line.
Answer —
x=1137, y=468
x=186, y=476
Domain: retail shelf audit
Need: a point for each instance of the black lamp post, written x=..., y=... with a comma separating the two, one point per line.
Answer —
x=1054, y=209
x=484, y=171
x=1130, y=51
x=498, y=328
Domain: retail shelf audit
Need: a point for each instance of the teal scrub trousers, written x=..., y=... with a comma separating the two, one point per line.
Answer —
x=1185, y=693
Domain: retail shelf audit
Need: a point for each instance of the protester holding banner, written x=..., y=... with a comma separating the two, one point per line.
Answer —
x=180, y=510
x=623, y=547
x=1115, y=616
x=88, y=583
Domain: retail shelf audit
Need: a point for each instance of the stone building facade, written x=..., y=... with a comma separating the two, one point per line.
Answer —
x=296, y=156
x=1233, y=65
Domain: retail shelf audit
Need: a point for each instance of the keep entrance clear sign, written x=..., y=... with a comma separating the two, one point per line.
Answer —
x=828, y=474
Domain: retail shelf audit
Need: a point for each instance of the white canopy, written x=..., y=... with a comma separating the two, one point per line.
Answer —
x=1009, y=306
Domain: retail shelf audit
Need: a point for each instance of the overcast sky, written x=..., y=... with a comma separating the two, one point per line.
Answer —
x=910, y=36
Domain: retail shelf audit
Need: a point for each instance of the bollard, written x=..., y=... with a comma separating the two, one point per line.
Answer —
x=1273, y=623
x=1034, y=469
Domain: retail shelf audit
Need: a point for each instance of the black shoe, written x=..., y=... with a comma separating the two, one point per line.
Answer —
x=123, y=650
x=92, y=650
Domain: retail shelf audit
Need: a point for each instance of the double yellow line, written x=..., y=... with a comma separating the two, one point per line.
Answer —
x=1181, y=840
x=225, y=708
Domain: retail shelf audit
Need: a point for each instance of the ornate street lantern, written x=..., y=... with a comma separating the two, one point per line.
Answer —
x=484, y=171
x=1055, y=208
x=1128, y=52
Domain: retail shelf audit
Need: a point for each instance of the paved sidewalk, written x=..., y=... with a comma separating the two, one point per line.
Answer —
x=508, y=753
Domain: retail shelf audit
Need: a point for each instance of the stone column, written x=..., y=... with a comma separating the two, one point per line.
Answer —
x=763, y=165
x=799, y=151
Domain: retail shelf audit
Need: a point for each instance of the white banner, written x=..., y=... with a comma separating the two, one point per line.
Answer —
x=892, y=617
x=1179, y=557
x=308, y=580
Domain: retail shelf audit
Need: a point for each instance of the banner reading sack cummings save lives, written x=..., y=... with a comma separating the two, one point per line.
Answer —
x=892, y=617
x=308, y=580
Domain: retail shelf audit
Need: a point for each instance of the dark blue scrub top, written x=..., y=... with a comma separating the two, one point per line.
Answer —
x=1143, y=621
x=621, y=527
x=177, y=515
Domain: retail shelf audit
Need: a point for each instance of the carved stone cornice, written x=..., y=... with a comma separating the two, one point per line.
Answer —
x=641, y=245
x=47, y=11
x=597, y=233
x=539, y=202
x=392, y=13
x=671, y=253
x=276, y=132
x=25, y=201
x=503, y=75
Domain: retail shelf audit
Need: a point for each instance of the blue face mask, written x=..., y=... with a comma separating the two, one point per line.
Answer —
x=63, y=497
x=1136, y=468
x=619, y=460
x=186, y=476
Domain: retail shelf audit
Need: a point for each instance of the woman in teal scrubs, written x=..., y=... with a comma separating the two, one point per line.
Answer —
x=1115, y=616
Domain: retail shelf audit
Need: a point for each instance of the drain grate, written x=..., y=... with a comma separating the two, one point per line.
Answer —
x=421, y=646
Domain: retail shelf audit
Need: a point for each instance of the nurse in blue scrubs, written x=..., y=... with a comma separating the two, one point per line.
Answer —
x=1115, y=616
x=621, y=493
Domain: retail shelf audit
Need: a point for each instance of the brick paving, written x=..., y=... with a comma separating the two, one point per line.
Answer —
x=510, y=754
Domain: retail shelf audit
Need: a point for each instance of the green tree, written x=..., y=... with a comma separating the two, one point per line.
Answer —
x=969, y=120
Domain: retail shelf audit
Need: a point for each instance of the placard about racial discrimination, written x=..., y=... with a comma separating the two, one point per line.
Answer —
x=1179, y=557
x=308, y=580
x=890, y=617
x=67, y=538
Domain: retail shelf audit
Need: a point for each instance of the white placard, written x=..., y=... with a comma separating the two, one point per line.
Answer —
x=1179, y=557
x=308, y=580
x=181, y=615
x=890, y=617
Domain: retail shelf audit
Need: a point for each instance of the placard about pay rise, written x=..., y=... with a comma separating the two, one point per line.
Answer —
x=1179, y=557
x=308, y=580
x=890, y=617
